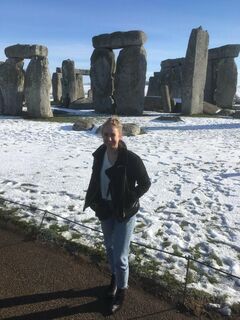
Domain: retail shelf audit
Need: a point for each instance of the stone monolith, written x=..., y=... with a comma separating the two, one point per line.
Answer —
x=130, y=80
x=226, y=83
x=194, y=72
x=37, y=88
x=11, y=86
x=68, y=82
x=57, y=87
x=101, y=74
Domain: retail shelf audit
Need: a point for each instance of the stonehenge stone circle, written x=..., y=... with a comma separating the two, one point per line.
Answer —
x=101, y=73
x=11, y=87
x=130, y=81
x=194, y=72
x=37, y=88
x=72, y=83
x=226, y=83
x=33, y=85
x=119, y=89
x=57, y=87
x=26, y=51
x=118, y=40
x=221, y=72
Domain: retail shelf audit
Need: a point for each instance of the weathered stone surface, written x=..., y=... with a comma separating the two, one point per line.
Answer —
x=89, y=94
x=83, y=125
x=171, y=63
x=68, y=82
x=226, y=83
x=59, y=70
x=166, y=99
x=194, y=72
x=154, y=85
x=209, y=108
x=26, y=51
x=169, y=118
x=131, y=129
x=171, y=74
x=11, y=87
x=101, y=74
x=117, y=40
x=57, y=87
x=153, y=103
x=83, y=72
x=130, y=80
x=82, y=104
x=227, y=51
x=236, y=115
x=79, y=86
x=71, y=84
x=37, y=88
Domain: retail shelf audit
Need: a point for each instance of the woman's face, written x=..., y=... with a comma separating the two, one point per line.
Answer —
x=111, y=136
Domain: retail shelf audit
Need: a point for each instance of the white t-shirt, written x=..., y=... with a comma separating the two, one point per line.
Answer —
x=104, y=178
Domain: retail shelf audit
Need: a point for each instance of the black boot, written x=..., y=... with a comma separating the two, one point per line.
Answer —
x=118, y=300
x=112, y=289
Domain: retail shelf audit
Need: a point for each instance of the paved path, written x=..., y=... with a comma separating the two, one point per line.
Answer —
x=40, y=282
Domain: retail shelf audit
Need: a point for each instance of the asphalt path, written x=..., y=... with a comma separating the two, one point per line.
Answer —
x=39, y=281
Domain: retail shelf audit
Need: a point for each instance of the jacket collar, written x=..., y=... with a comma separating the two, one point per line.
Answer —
x=122, y=153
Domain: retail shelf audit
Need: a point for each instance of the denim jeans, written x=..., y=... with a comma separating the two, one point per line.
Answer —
x=117, y=238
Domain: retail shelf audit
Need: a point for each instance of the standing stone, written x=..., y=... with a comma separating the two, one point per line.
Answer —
x=194, y=72
x=101, y=74
x=166, y=100
x=11, y=86
x=57, y=87
x=216, y=56
x=37, y=88
x=171, y=75
x=226, y=83
x=154, y=85
x=79, y=86
x=68, y=82
x=130, y=80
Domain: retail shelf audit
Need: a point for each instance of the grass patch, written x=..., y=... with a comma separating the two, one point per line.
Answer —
x=139, y=227
x=89, y=220
x=159, y=233
x=212, y=256
x=145, y=270
x=57, y=228
x=176, y=250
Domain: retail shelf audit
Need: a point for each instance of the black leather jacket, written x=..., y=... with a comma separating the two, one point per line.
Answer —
x=128, y=182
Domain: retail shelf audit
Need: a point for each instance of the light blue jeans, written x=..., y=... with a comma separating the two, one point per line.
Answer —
x=117, y=238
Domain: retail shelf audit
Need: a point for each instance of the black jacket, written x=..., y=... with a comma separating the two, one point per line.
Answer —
x=128, y=182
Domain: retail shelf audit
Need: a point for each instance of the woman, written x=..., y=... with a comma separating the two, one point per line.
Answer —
x=119, y=178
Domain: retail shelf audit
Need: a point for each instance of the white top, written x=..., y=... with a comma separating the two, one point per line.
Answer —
x=104, y=180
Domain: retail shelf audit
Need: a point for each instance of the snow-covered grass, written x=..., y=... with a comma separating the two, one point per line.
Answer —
x=192, y=207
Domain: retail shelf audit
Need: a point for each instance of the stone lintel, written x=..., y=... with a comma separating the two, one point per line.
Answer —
x=83, y=72
x=156, y=74
x=172, y=63
x=26, y=51
x=227, y=51
x=117, y=40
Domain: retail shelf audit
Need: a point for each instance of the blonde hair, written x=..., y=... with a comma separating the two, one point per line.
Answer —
x=113, y=121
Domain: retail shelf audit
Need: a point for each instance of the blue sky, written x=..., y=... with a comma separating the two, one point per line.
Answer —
x=66, y=27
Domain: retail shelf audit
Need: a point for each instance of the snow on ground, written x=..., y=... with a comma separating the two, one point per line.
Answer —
x=192, y=207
